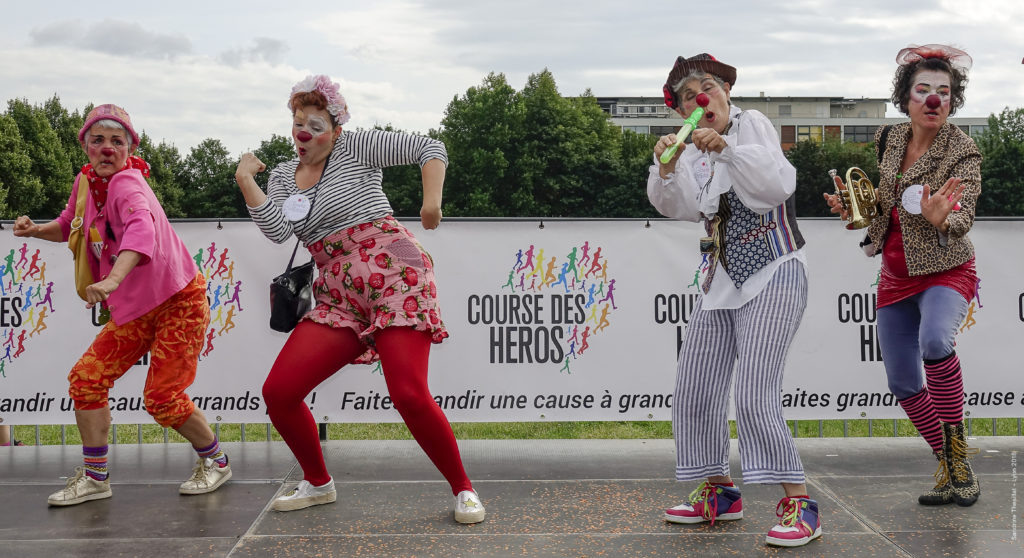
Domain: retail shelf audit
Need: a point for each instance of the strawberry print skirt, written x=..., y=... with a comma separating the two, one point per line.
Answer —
x=372, y=276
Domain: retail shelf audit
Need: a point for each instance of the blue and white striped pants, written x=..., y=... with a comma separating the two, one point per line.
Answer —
x=753, y=341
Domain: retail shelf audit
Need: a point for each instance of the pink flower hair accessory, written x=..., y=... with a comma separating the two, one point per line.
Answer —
x=331, y=91
x=956, y=57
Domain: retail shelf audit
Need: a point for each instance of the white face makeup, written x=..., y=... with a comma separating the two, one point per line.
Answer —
x=931, y=82
x=716, y=114
x=314, y=124
x=317, y=126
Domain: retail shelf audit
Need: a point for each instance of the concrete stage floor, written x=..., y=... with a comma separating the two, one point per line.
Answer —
x=544, y=498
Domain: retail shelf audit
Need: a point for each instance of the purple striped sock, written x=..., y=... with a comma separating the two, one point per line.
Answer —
x=95, y=462
x=921, y=411
x=946, y=384
x=213, y=452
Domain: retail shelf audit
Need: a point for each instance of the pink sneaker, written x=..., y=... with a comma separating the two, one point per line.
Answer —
x=708, y=502
x=798, y=525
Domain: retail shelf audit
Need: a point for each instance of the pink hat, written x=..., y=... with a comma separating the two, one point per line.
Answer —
x=108, y=112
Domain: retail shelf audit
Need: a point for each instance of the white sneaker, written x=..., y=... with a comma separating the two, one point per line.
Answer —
x=207, y=476
x=81, y=488
x=468, y=508
x=305, y=495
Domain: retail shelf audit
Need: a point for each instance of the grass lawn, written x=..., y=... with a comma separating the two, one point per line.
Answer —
x=152, y=433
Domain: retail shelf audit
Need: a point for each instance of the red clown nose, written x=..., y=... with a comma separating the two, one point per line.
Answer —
x=303, y=136
x=932, y=102
x=702, y=100
x=107, y=151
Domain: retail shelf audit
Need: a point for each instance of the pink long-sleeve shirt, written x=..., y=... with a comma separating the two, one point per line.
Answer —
x=139, y=224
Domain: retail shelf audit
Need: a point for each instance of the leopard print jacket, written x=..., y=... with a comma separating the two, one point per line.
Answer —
x=952, y=153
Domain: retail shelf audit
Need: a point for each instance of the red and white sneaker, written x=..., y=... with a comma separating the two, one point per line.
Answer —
x=709, y=502
x=798, y=525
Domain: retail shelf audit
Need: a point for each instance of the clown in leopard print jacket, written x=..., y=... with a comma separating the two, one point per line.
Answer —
x=952, y=154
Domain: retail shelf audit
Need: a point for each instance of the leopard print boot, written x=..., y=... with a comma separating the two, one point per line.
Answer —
x=942, y=494
x=965, y=484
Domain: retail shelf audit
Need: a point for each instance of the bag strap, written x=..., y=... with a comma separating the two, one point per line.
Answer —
x=312, y=202
x=881, y=141
x=292, y=259
x=83, y=193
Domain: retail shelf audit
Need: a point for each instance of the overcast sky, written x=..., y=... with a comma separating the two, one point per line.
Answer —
x=189, y=70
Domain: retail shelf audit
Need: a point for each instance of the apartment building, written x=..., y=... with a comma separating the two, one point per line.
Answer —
x=795, y=118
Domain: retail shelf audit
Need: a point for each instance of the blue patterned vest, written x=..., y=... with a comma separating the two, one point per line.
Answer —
x=752, y=241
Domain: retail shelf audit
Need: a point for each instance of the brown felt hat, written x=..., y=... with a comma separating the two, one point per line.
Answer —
x=684, y=66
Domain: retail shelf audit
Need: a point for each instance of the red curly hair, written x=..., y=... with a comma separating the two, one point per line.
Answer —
x=310, y=98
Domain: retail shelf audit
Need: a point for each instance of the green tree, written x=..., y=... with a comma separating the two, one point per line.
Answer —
x=20, y=189
x=813, y=160
x=479, y=130
x=536, y=153
x=1002, y=167
x=272, y=152
x=612, y=165
x=627, y=196
x=164, y=168
x=66, y=125
x=403, y=184
x=207, y=177
x=50, y=163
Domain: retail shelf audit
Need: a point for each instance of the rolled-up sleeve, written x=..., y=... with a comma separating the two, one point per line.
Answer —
x=380, y=148
x=268, y=216
x=139, y=232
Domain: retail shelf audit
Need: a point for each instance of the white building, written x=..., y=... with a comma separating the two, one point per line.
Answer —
x=795, y=118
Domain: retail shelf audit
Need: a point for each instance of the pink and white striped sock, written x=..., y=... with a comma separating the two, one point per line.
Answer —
x=946, y=384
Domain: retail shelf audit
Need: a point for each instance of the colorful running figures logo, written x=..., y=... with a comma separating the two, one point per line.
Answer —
x=548, y=310
x=222, y=290
x=972, y=308
x=26, y=302
x=702, y=269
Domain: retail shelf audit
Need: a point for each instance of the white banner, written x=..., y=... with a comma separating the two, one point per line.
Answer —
x=564, y=320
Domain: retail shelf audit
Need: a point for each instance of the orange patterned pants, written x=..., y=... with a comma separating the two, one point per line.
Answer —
x=173, y=335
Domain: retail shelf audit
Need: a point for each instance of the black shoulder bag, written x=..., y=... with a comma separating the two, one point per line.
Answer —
x=291, y=293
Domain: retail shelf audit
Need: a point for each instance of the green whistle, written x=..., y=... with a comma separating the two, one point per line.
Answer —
x=688, y=126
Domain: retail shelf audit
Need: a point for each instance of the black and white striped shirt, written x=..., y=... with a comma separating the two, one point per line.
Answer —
x=349, y=192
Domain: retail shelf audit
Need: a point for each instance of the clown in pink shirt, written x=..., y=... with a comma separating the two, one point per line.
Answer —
x=156, y=297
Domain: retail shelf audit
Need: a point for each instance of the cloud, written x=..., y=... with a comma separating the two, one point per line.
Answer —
x=120, y=38
x=267, y=50
x=191, y=98
x=402, y=61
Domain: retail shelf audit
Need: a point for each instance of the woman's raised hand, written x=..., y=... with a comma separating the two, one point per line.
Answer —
x=249, y=166
x=936, y=207
x=664, y=142
x=708, y=140
x=24, y=227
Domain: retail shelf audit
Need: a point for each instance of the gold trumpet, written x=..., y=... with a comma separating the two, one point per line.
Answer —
x=857, y=197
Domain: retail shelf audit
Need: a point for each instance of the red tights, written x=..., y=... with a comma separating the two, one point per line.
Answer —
x=314, y=352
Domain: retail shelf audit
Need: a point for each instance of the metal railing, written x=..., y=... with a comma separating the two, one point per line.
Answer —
x=795, y=431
